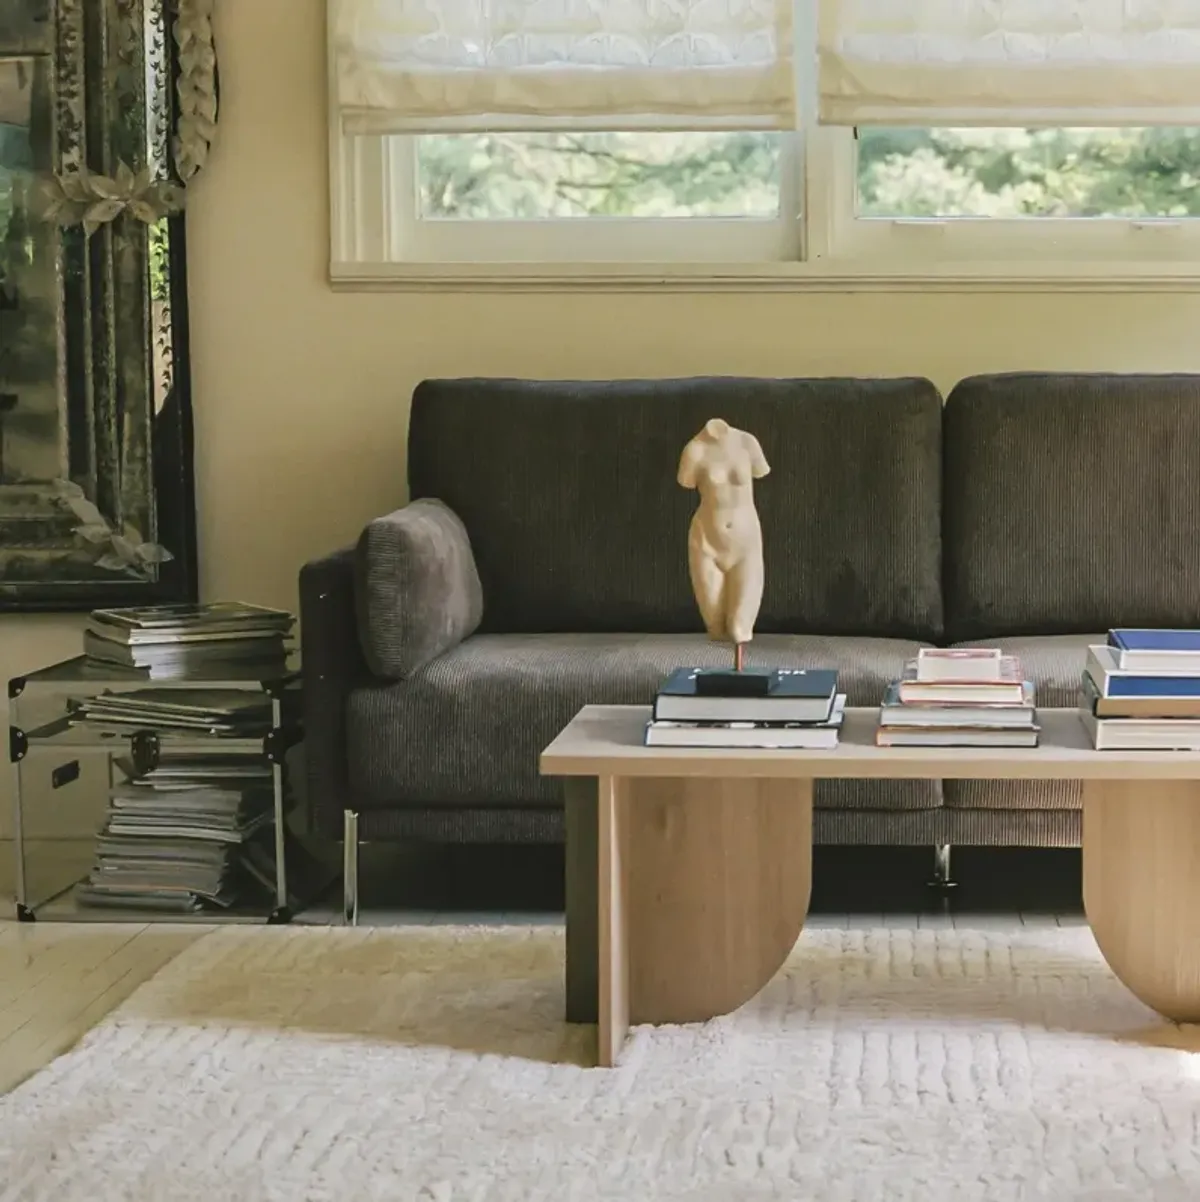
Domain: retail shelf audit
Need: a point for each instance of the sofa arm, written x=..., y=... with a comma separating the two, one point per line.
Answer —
x=417, y=587
x=333, y=664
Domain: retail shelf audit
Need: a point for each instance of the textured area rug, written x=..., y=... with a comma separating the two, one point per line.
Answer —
x=432, y=1065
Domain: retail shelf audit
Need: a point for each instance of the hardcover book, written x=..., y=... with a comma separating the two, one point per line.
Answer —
x=792, y=736
x=1169, y=708
x=1113, y=681
x=893, y=712
x=959, y=663
x=796, y=695
x=1008, y=686
x=1152, y=650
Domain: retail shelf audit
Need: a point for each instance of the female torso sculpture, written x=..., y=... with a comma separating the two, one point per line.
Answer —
x=725, y=554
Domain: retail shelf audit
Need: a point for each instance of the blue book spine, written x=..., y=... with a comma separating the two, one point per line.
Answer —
x=1153, y=686
x=1154, y=640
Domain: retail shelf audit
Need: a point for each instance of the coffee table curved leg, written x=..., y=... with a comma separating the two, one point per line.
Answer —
x=1141, y=888
x=704, y=887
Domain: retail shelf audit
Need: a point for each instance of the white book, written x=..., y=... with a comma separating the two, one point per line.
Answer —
x=893, y=712
x=890, y=736
x=974, y=664
x=1008, y=688
x=796, y=736
x=1141, y=734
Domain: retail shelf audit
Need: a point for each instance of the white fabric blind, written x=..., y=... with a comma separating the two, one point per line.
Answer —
x=1010, y=62
x=434, y=65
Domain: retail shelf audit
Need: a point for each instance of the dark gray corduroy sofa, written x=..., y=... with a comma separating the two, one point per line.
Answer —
x=542, y=566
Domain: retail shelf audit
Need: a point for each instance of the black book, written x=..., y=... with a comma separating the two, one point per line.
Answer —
x=795, y=695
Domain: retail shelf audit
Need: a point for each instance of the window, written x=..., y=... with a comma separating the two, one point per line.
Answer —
x=555, y=176
x=601, y=196
x=1074, y=194
x=771, y=137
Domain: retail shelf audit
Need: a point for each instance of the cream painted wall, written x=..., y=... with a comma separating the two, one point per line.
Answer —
x=300, y=394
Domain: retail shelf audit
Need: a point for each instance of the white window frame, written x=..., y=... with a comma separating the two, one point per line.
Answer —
x=376, y=224
x=593, y=239
x=912, y=244
x=818, y=241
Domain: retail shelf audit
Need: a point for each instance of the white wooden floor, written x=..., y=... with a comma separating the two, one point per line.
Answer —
x=57, y=980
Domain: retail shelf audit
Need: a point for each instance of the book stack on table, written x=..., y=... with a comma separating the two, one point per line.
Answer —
x=1141, y=691
x=165, y=641
x=959, y=697
x=793, y=708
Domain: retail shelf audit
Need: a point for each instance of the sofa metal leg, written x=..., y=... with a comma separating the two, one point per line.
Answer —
x=350, y=868
x=941, y=868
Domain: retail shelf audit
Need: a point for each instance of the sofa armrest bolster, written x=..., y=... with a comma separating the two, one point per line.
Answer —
x=417, y=589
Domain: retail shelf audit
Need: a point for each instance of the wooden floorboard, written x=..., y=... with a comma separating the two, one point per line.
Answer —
x=59, y=980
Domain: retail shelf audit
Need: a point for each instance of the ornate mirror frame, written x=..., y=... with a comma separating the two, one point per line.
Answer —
x=107, y=110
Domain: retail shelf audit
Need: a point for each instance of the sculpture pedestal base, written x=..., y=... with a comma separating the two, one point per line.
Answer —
x=755, y=682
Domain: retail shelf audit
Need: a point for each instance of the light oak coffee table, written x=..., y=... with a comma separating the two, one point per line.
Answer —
x=689, y=871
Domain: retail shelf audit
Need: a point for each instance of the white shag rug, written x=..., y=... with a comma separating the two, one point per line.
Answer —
x=432, y=1065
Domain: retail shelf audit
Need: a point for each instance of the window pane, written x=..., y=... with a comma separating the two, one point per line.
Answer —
x=1121, y=173
x=495, y=177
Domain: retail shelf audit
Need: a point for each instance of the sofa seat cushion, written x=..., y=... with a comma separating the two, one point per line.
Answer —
x=467, y=728
x=1055, y=665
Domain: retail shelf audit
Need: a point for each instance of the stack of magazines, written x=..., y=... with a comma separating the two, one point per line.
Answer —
x=226, y=712
x=180, y=640
x=191, y=833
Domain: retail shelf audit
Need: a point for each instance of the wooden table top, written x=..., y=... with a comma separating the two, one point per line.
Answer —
x=606, y=740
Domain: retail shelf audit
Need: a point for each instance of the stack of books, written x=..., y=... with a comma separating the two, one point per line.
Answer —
x=179, y=640
x=959, y=697
x=797, y=708
x=1141, y=691
x=192, y=833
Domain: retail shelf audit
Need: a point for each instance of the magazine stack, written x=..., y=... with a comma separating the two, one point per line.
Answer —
x=959, y=697
x=1141, y=691
x=191, y=826
x=192, y=833
x=164, y=641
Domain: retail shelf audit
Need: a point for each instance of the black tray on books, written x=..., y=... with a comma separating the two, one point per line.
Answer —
x=743, y=682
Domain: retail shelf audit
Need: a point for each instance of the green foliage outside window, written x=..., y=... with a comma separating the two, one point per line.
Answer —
x=1129, y=173
x=1004, y=173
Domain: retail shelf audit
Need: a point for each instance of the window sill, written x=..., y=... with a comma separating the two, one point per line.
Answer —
x=826, y=277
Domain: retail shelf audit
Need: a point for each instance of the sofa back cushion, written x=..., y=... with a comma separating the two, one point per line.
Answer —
x=1071, y=504
x=568, y=491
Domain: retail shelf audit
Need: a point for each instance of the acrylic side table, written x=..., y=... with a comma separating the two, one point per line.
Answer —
x=63, y=770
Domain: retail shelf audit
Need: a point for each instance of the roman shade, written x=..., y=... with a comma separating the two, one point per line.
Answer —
x=405, y=66
x=1010, y=62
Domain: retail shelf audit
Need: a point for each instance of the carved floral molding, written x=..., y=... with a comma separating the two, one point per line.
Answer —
x=91, y=200
x=196, y=129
